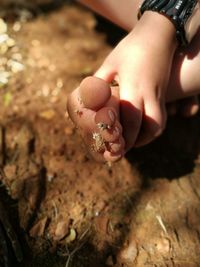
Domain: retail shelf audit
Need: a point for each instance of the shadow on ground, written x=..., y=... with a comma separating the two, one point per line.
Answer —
x=173, y=154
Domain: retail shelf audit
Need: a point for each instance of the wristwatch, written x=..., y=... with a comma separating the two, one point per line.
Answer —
x=184, y=14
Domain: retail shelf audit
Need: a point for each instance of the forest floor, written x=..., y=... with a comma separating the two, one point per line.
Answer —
x=67, y=209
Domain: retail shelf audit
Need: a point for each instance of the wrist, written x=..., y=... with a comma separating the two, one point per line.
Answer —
x=179, y=12
x=158, y=28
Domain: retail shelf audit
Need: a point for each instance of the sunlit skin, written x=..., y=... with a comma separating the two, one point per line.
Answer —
x=148, y=75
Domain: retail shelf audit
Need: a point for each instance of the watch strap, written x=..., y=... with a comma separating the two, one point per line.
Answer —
x=178, y=11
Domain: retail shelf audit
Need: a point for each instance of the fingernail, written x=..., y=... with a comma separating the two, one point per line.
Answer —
x=111, y=115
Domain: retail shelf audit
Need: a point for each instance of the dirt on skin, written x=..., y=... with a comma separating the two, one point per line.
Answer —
x=68, y=209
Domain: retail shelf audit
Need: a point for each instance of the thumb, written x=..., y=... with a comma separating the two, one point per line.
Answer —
x=131, y=110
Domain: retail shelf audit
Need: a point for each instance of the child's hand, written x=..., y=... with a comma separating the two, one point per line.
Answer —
x=141, y=64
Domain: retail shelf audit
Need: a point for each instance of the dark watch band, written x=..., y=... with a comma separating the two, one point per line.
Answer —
x=178, y=11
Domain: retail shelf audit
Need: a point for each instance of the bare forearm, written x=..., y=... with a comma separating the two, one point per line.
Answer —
x=123, y=13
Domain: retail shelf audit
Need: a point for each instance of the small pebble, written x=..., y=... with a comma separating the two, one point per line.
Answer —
x=47, y=114
x=17, y=26
x=38, y=229
x=15, y=66
x=10, y=42
x=4, y=77
x=61, y=230
x=3, y=38
x=72, y=236
x=35, y=42
x=3, y=26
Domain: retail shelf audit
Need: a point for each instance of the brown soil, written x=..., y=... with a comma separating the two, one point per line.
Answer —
x=141, y=211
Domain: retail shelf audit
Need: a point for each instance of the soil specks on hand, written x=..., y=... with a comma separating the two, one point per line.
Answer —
x=103, y=126
x=99, y=143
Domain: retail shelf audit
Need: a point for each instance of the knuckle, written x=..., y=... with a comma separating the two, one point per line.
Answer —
x=158, y=121
x=160, y=128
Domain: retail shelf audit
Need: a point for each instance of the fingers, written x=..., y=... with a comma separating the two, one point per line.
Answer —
x=79, y=115
x=153, y=123
x=94, y=93
x=94, y=108
x=142, y=111
x=131, y=109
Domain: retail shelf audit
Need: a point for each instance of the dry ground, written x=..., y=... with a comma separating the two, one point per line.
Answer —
x=69, y=210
